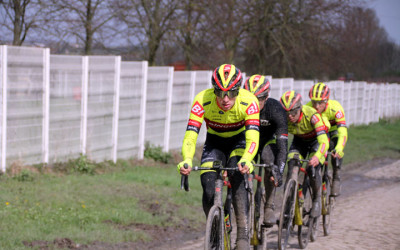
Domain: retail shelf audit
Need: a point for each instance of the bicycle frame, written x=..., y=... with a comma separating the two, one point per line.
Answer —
x=222, y=239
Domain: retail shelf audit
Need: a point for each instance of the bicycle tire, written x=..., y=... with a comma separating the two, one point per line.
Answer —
x=214, y=230
x=327, y=205
x=314, y=229
x=304, y=230
x=259, y=229
x=287, y=214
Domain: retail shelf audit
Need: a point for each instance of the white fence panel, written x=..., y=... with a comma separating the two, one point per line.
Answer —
x=279, y=86
x=132, y=106
x=183, y=91
x=66, y=73
x=203, y=81
x=158, y=106
x=25, y=104
x=101, y=107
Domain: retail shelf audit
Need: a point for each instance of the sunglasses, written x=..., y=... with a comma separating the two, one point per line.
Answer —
x=293, y=112
x=262, y=98
x=314, y=103
x=229, y=93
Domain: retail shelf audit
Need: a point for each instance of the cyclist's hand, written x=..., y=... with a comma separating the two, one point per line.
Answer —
x=182, y=170
x=248, y=166
x=314, y=161
x=338, y=154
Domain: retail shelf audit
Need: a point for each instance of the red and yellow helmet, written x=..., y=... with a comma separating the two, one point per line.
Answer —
x=227, y=77
x=290, y=100
x=319, y=92
x=258, y=85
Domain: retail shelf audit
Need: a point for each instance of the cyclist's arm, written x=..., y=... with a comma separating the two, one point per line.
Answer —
x=281, y=137
x=192, y=130
x=320, y=128
x=342, y=131
x=252, y=132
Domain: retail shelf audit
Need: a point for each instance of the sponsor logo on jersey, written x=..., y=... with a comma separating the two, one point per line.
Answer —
x=194, y=123
x=322, y=148
x=339, y=115
x=252, y=147
x=252, y=109
x=224, y=127
x=197, y=110
x=314, y=119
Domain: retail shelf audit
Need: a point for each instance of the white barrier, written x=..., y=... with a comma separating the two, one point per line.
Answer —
x=56, y=107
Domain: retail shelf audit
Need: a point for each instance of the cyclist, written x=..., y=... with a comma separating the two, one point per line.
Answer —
x=273, y=139
x=309, y=131
x=232, y=118
x=333, y=111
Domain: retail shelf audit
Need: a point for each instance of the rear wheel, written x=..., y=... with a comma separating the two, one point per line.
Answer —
x=214, y=229
x=287, y=214
x=327, y=207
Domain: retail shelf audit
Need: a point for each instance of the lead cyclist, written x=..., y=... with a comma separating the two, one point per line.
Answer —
x=232, y=118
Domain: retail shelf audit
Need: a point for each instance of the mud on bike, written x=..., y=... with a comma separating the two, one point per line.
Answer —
x=219, y=224
x=296, y=207
x=258, y=232
x=327, y=200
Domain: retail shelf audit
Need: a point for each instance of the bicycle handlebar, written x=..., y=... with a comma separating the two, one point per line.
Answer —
x=273, y=170
x=217, y=166
x=297, y=157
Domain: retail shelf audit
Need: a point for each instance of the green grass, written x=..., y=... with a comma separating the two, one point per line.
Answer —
x=86, y=206
x=372, y=141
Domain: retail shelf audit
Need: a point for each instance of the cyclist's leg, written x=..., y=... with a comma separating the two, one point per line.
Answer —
x=211, y=152
x=268, y=156
x=300, y=148
x=336, y=168
x=240, y=200
x=315, y=182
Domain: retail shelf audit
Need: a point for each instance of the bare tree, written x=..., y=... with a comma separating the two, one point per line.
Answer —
x=86, y=22
x=18, y=17
x=147, y=23
x=191, y=31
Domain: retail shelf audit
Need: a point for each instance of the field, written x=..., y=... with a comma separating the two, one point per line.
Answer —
x=133, y=204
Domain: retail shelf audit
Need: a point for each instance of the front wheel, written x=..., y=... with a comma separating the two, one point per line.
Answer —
x=305, y=206
x=326, y=219
x=287, y=214
x=214, y=230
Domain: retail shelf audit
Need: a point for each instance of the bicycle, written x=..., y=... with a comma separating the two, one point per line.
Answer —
x=217, y=231
x=258, y=238
x=296, y=207
x=327, y=200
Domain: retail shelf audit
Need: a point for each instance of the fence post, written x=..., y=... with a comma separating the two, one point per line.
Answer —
x=46, y=105
x=145, y=66
x=84, y=102
x=3, y=64
x=117, y=79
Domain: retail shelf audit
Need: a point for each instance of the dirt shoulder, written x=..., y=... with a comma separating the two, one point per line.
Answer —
x=366, y=215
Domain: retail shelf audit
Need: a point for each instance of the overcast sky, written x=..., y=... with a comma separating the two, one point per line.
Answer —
x=388, y=12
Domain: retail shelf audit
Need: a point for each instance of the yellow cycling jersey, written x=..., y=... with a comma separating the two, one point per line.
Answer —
x=243, y=116
x=334, y=112
x=311, y=125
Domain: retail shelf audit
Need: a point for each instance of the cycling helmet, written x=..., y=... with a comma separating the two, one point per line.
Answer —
x=291, y=100
x=227, y=77
x=319, y=92
x=258, y=85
